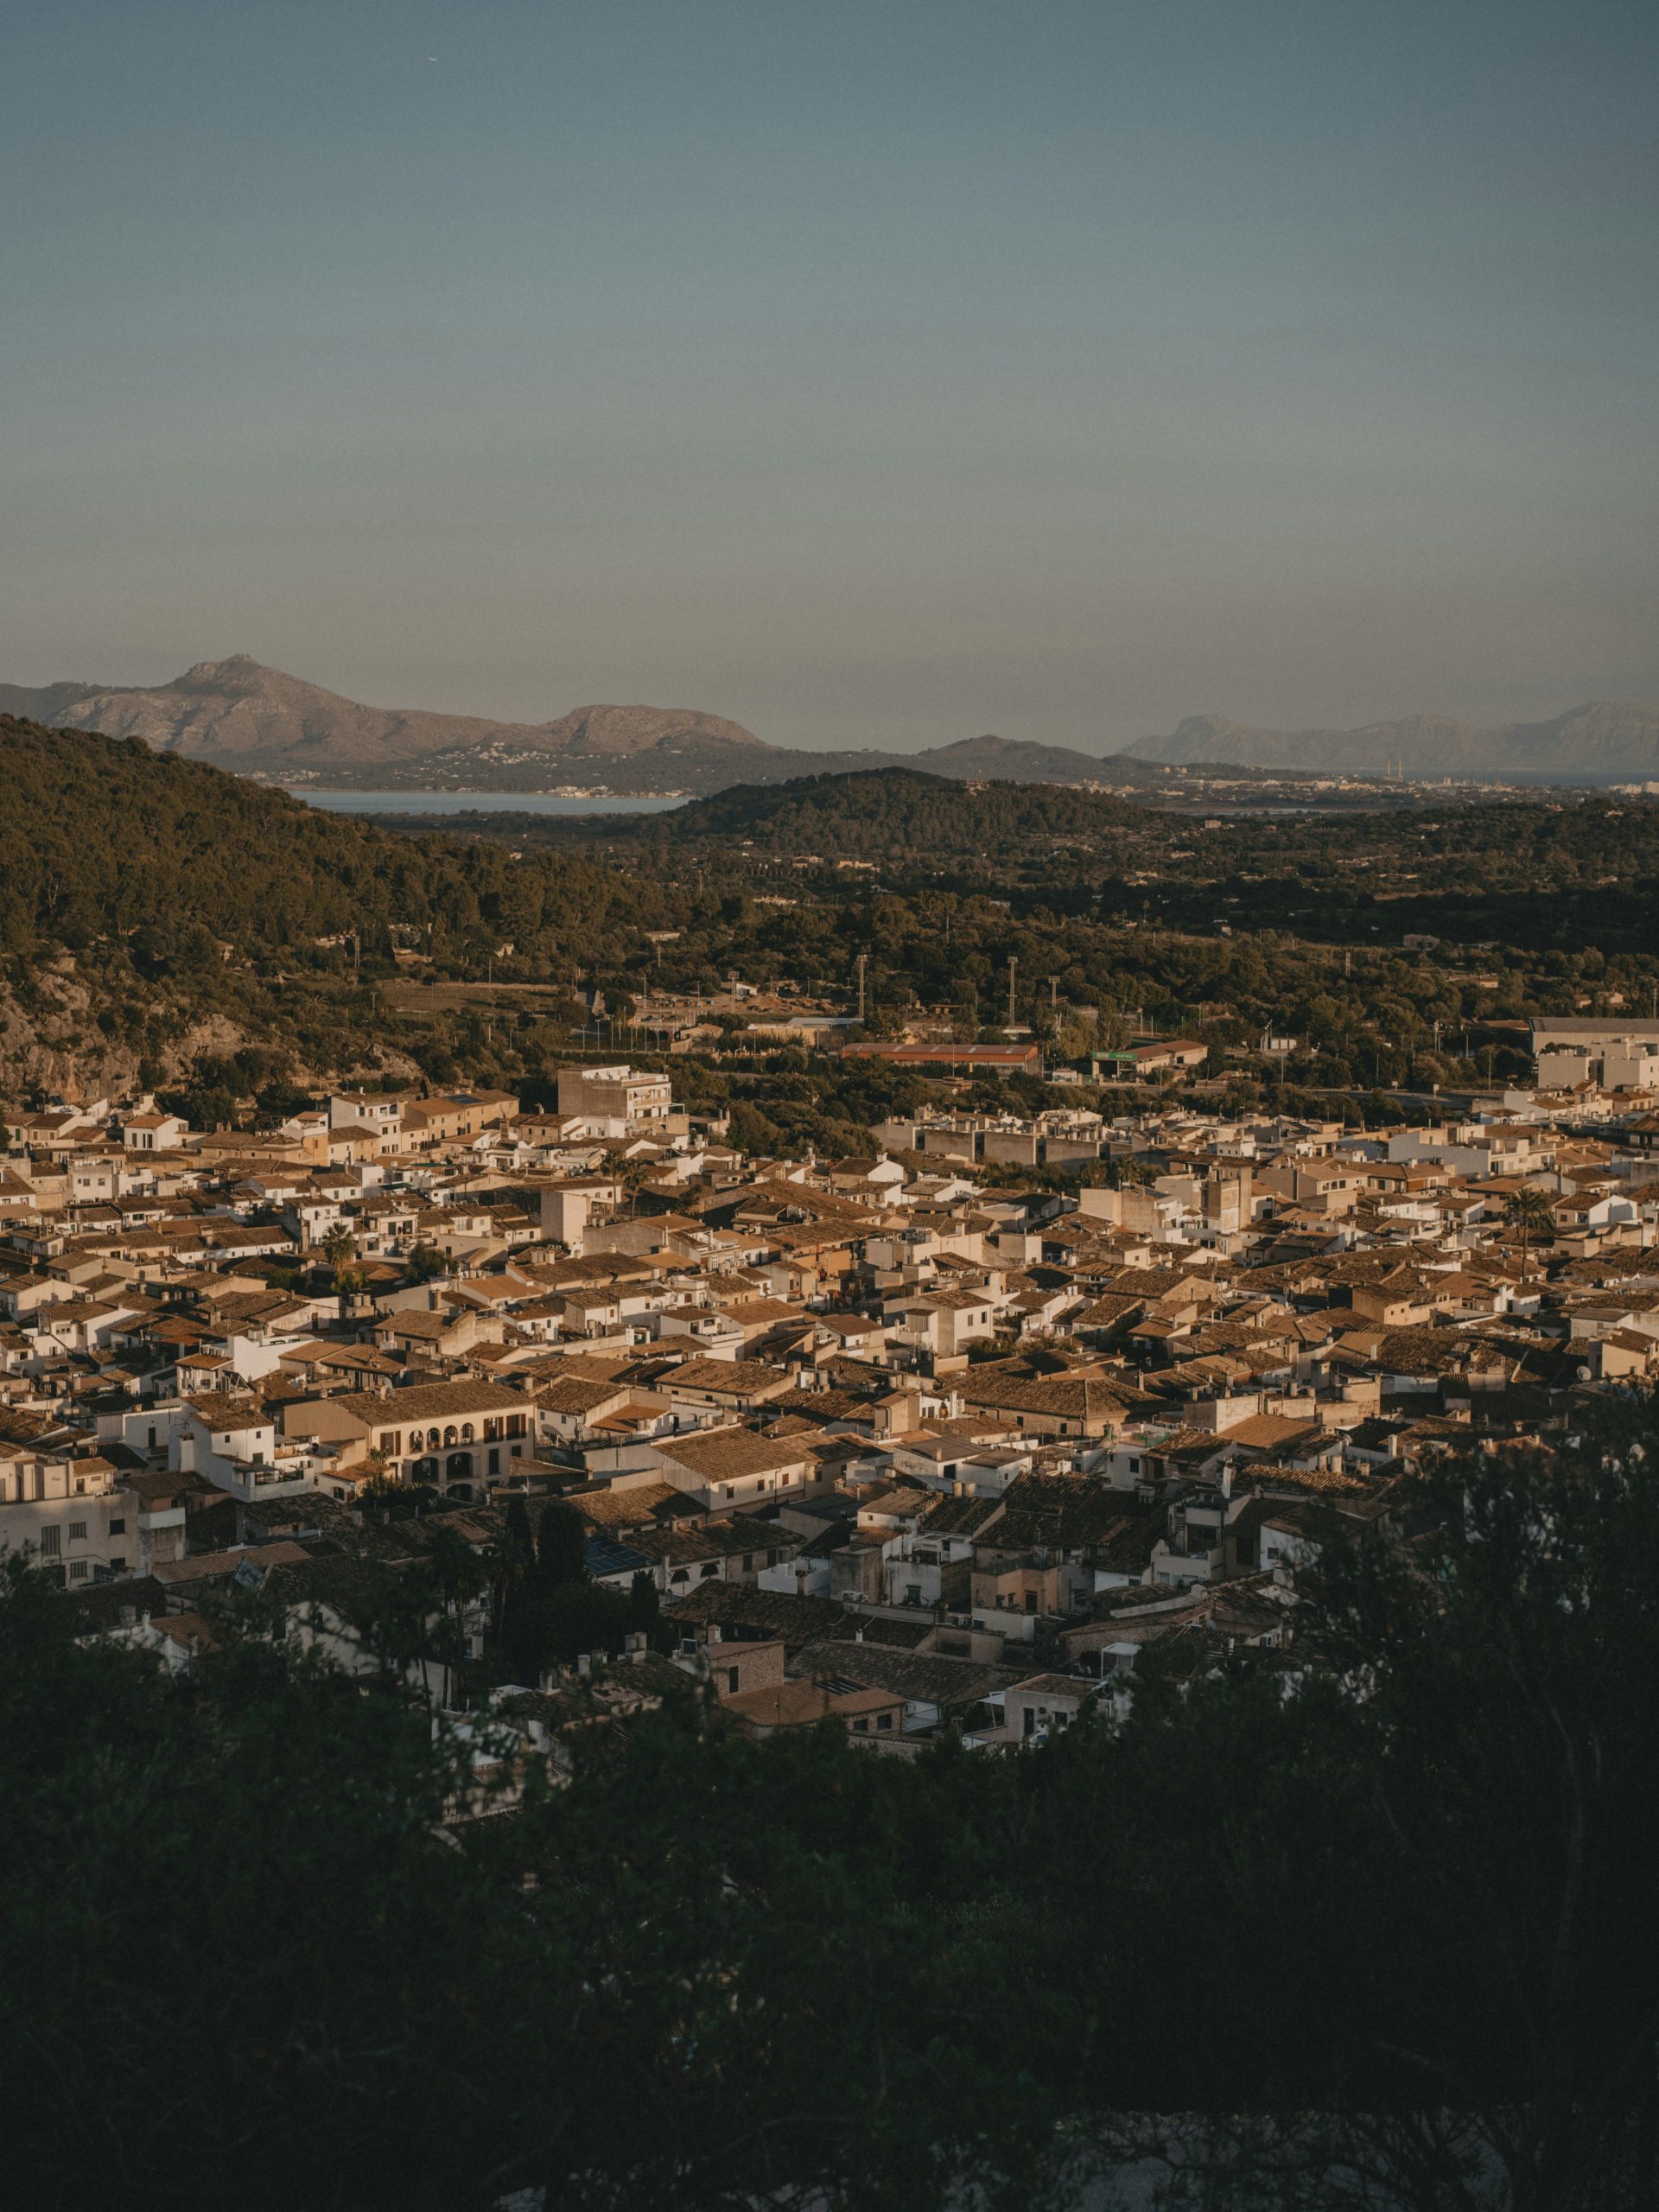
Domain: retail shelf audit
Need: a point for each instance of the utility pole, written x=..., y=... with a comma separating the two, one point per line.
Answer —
x=1013, y=966
x=1053, y=994
x=863, y=963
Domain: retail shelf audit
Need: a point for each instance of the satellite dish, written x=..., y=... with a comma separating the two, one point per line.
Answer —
x=1584, y=1375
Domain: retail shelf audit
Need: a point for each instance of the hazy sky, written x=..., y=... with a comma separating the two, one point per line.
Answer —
x=874, y=372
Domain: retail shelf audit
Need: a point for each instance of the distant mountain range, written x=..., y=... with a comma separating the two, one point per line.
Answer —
x=1609, y=739
x=237, y=713
x=240, y=715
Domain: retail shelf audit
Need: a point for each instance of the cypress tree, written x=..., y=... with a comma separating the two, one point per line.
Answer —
x=562, y=1549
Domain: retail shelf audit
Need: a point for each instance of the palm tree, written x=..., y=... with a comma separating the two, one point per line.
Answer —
x=339, y=1245
x=1531, y=1213
x=339, y=1249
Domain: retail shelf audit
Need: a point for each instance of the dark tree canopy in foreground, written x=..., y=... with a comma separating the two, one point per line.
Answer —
x=1403, y=1883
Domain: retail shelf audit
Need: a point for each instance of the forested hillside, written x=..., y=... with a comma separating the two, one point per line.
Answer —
x=903, y=816
x=104, y=838
x=153, y=908
x=162, y=921
x=1548, y=875
x=892, y=814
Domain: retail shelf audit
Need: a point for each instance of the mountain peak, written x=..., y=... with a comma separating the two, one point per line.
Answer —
x=603, y=729
x=1199, y=726
x=237, y=665
x=241, y=712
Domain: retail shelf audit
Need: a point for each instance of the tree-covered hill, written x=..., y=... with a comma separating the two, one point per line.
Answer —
x=892, y=812
x=878, y=814
x=165, y=923
x=154, y=910
x=104, y=838
x=1547, y=874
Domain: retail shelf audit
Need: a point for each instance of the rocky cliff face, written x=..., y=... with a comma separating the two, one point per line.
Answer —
x=50, y=1038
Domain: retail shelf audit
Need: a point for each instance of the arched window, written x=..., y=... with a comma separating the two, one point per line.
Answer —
x=449, y=1435
x=466, y=1431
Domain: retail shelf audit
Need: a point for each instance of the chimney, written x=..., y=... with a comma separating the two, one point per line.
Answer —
x=584, y=1666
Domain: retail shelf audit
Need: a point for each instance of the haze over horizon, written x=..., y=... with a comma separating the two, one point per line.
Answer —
x=872, y=376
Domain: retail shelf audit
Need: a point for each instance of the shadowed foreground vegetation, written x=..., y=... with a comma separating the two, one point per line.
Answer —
x=1399, y=1878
